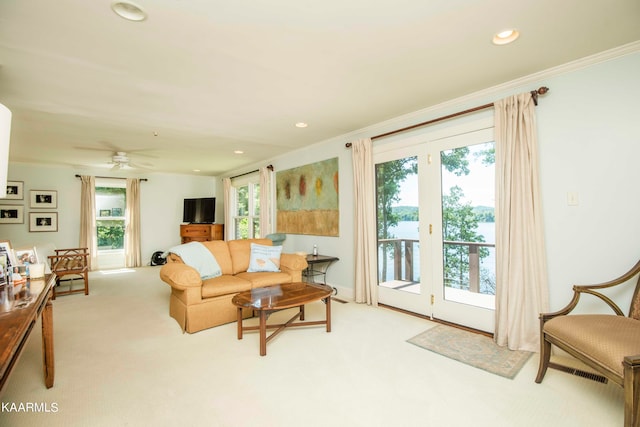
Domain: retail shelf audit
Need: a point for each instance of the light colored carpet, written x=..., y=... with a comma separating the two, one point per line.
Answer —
x=122, y=361
x=473, y=349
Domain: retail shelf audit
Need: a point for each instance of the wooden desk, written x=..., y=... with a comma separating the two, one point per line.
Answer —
x=16, y=324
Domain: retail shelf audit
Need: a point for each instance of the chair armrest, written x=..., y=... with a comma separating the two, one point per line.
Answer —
x=591, y=290
x=180, y=276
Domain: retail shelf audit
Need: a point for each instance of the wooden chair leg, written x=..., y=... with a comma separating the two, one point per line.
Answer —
x=545, y=356
x=86, y=283
x=631, y=391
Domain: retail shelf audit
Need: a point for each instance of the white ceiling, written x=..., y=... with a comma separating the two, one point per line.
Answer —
x=210, y=77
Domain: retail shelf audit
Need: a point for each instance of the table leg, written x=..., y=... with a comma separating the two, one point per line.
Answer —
x=47, y=344
x=328, y=307
x=263, y=332
x=239, y=323
x=302, y=312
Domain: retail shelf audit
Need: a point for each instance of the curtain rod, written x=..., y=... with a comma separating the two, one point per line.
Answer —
x=270, y=167
x=112, y=177
x=534, y=95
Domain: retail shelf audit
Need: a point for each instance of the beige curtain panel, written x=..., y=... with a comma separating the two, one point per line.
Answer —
x=228, y=210
x=132, y=252
x=521, y=269
x=365, y=234
x=88, y=232
x=266, y=201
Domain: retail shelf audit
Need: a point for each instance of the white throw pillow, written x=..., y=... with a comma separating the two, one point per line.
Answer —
x=264, y=258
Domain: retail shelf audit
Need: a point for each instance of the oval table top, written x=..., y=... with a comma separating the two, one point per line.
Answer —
x=282, y=296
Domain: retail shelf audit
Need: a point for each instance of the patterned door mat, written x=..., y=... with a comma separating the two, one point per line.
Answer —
x=473, y=349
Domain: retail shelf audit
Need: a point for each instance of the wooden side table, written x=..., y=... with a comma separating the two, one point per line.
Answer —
x=318, y=266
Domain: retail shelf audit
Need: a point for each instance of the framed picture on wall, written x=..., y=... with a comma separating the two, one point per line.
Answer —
x=15, y=190
x=43, y=199
x=43, y=221
x=11, y=214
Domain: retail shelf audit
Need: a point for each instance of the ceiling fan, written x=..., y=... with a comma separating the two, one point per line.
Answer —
x=120, y=160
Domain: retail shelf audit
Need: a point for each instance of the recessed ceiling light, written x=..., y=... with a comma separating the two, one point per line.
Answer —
x=506, y=37
x=239, y=152
x=128, y=10
x=196, y=170
x=301, y=125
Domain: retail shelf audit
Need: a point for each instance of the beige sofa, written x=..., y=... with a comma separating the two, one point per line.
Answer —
x=198, y=304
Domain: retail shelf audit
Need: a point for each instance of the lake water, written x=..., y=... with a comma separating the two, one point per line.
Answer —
x=410, y=230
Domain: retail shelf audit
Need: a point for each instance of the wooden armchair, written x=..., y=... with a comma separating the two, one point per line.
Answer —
x=607, y=343
x=70, y=262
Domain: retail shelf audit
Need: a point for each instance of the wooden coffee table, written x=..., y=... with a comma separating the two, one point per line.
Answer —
x=275, y=298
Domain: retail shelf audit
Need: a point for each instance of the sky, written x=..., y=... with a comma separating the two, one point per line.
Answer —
x=478, y=186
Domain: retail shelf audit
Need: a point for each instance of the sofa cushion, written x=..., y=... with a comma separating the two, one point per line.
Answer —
x=264, y=258
x=240, y=251
x=220, y=250
x=224, y=285
x=261, y=279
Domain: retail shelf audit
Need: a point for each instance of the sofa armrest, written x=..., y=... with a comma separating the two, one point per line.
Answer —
x=293, y=265
x=292, y=262
x=180, y=276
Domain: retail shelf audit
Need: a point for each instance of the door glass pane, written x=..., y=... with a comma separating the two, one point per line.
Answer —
x=397, y=224
x=468, y=224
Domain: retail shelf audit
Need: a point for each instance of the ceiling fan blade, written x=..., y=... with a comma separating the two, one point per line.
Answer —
x=140, y=166
x=92, y=149
x=141, y=154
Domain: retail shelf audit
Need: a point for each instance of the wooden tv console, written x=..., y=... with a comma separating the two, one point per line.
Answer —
x=201, y=232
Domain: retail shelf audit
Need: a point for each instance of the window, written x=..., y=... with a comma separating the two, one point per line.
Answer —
x=110, y=205
x=246, y=219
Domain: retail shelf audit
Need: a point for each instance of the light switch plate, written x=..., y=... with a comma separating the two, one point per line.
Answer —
x=572, y=198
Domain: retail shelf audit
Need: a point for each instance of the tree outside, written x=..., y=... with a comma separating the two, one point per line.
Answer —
x=389, y=178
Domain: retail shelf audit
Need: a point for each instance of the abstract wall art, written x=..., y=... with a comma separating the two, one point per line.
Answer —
x=307, y=199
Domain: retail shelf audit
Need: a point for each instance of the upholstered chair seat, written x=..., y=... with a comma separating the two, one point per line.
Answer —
x=607, y=343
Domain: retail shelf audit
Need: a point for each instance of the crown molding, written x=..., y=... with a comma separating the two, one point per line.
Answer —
x=483, y=94
x=420, y=115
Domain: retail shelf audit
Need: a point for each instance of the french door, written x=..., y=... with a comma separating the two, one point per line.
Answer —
x=403, y=251
x=436, y=229
x=463, y=167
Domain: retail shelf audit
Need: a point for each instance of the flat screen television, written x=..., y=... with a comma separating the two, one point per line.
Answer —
x=199, y=211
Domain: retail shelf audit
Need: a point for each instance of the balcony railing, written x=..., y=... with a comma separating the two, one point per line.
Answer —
x=404, y=251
